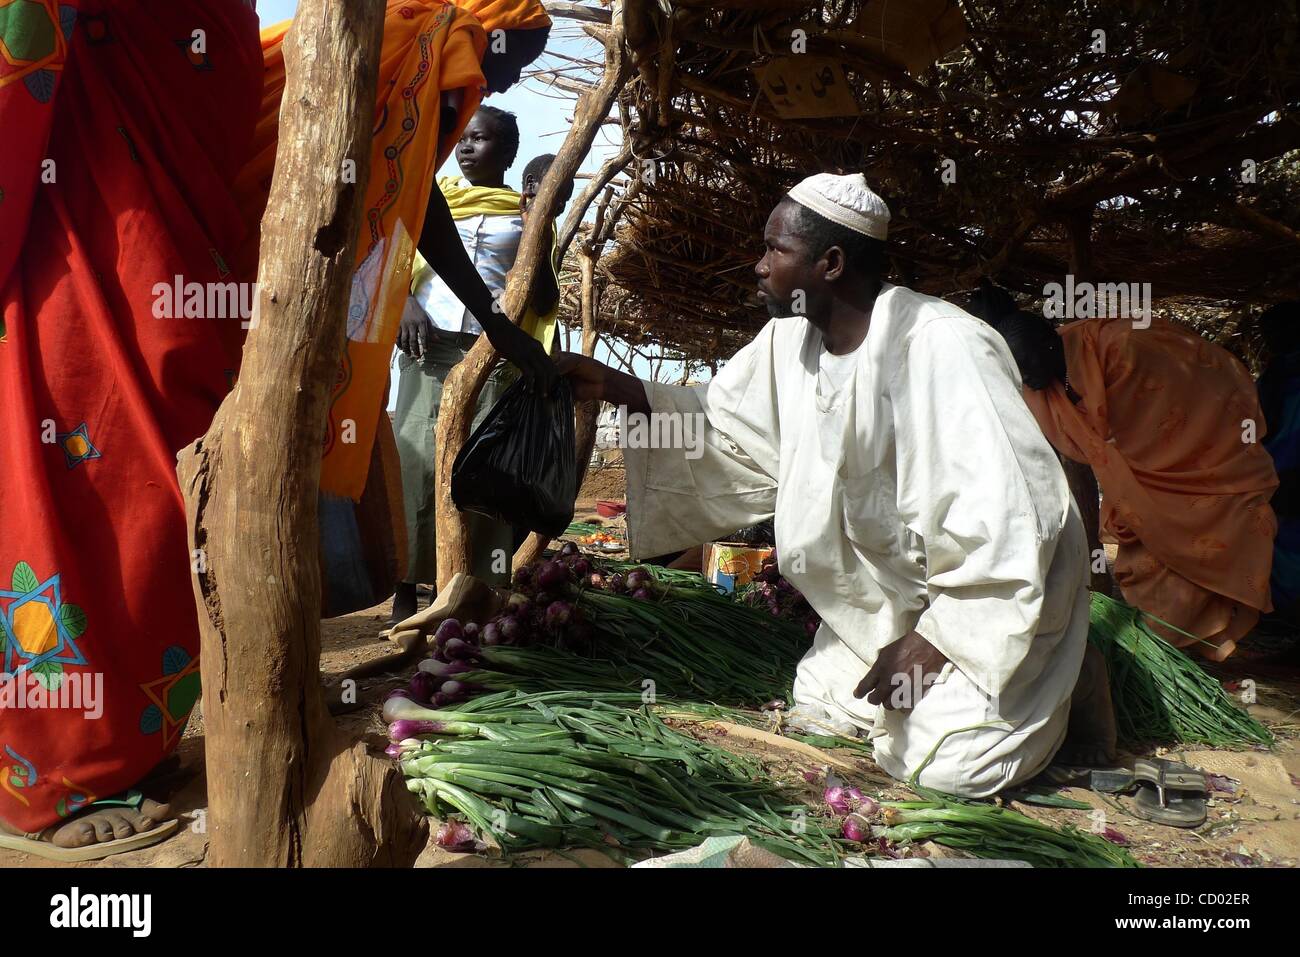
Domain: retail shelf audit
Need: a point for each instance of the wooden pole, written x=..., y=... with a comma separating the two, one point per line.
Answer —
x=465, y=382
x=285, y=787
x=588, y=412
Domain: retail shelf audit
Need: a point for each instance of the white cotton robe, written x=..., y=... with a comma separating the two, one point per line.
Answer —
x=918, y=494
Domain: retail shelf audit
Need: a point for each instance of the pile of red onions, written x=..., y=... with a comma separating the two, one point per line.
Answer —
x=855, y=808
x=569, y=568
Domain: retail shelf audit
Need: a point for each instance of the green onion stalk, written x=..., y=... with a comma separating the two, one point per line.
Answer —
x=1159, y=693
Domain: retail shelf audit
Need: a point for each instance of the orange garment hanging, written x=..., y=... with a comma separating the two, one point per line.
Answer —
x=1171, y=425
x=429, y=47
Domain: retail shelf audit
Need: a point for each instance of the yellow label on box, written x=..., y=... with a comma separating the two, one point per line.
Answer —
x=733, y=565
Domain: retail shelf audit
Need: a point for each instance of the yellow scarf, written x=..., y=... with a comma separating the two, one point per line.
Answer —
x=466, y=200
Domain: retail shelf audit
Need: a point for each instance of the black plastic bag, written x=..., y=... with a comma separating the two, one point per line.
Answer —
x=519, y=466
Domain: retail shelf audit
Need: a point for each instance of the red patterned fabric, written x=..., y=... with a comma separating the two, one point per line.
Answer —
x=123, y=132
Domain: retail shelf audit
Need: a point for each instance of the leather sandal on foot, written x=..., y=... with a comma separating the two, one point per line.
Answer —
x=33, y=843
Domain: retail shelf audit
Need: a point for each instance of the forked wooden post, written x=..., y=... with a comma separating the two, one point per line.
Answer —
x=465, y=382
x=285, y=787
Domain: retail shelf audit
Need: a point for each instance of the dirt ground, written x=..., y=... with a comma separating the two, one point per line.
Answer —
x=1254, y=812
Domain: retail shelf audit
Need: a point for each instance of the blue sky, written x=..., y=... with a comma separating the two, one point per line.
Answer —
x=544, y=115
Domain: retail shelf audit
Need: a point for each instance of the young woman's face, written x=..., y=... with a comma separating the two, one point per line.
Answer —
x=481, y=152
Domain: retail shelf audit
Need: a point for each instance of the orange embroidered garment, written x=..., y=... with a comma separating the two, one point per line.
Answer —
x=429, y=48
x=1171, y=425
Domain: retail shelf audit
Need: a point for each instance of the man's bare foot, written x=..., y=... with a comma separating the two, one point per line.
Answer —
x=1090, y=739
x=101, y=825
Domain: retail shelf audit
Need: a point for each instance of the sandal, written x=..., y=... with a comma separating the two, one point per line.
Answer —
x=33, y=843
x=1168, y=792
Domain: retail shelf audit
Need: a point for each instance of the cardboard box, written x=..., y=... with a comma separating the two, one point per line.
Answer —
x=732, y=564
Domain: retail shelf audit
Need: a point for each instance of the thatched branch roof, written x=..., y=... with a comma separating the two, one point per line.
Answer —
x=1129, y=154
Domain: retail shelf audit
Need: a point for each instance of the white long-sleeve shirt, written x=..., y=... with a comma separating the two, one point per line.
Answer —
x=918, y=493
x=492, y=243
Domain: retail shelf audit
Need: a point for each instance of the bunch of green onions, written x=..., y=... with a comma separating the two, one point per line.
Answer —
x=1159, y=693
x=568, y=770
x=696, y=643
x=663, y=575
x=582, y=529
x=563, y=769
x=988, y=831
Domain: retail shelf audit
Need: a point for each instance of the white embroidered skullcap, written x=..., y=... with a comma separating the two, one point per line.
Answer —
x=846, y=200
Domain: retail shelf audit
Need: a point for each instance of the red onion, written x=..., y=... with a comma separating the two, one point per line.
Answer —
x=554, y=575
x=581, y=567
x=423, y=686
x=444, y=669
x=862, y=802
x=643, y=594
x=471, y=630
x=511, y=629
x=450, y=628
x=459, y=650
x=638, y=579
x=596, y=580
x=617, y=582
x=558, y=614
x=454, y=688
x=454, y=836
x=524, y=576
x=491, y=634
x=837, y=800
x=856, y=828
x=394, y=750
x=407, y=728
x=568, y=550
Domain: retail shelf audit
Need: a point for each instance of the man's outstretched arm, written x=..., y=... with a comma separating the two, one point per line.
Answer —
x=590, y=379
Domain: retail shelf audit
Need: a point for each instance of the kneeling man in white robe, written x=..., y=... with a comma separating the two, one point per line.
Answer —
x=917, y=505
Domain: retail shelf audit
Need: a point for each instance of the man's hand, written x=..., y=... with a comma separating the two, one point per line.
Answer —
x=524, y=351
x=891, y=682
x=586, y=376
x=414, y=332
